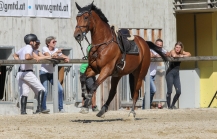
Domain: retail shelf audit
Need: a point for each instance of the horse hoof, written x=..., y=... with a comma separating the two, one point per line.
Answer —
x=102, y=112
x=84, y=110
x=131, y=116
x=102, y=116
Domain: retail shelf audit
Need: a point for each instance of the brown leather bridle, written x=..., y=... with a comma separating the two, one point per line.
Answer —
x=83, y=35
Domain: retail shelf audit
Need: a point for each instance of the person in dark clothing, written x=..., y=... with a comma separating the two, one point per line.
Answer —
x=172, y=74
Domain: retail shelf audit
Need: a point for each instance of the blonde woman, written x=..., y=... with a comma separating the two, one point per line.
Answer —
x=46, y=72
x=172, y=74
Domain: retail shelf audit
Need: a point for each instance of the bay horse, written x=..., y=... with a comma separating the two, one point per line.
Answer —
x=105, y=54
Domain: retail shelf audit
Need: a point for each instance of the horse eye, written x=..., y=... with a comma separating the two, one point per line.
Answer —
x=86, y=17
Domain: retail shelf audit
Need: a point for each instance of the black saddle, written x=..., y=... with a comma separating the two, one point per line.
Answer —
x=126, y=46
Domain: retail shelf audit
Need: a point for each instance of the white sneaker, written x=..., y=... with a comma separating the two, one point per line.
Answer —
x=45, y=111
x=62, y=111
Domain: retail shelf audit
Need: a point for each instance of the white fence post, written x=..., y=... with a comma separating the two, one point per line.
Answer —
x=55, y=89
x=147, y=90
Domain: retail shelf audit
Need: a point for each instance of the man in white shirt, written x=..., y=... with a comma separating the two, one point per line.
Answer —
x=26, y=77
x=153, y=68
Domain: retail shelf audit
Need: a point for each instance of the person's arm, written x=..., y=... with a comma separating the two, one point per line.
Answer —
x=28, y=57
x=59, y=54
x=16, y=56
x=154, y=54
x=40, y=56
x=43, y=56
x=28, y=53
x=45, y=51
x=151, y=54
x=59, y=51
x=167, y=54
x=66, y=58
x=186, y=54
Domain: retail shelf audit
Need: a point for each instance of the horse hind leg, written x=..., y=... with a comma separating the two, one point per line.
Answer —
x=135, y=95
x=112, y=92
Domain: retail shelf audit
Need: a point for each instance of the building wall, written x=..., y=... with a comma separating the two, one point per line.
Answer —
x=199, y=38
x=123, y=13
x=185, y=34
x=137, y=14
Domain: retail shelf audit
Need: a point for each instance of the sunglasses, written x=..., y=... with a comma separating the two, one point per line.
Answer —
x=54, y=42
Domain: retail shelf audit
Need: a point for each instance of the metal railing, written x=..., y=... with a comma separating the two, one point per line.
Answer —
x=73, y=95
x=194, y=5
x=126, y=99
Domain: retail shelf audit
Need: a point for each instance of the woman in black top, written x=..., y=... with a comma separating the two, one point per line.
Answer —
x=172, y=74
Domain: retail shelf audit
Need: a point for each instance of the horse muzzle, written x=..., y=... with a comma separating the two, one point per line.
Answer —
x=79, y=37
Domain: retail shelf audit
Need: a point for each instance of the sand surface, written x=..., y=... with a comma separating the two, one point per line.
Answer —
x=154, y=123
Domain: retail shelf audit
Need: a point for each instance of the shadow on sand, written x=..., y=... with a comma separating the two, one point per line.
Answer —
x=104, y=120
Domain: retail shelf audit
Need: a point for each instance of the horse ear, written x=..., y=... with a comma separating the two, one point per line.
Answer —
x=92, y=4
x=78, y=7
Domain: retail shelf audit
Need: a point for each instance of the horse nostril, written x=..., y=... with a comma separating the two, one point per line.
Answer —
x=78, y=37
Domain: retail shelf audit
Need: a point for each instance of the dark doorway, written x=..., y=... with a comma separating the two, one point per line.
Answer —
x=2, y=81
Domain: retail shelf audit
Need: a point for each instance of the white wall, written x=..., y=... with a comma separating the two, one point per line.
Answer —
x=123, y=13
x=190, y=88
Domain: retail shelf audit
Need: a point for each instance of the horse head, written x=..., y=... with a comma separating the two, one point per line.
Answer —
x=87, y=18
x=84, y=21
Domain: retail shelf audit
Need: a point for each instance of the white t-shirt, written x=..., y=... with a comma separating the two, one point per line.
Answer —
x=36, y=52
x=48, y=67
x=153, y=65
x=22, y=52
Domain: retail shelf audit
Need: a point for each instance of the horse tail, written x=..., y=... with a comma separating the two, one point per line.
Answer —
x=155, y=48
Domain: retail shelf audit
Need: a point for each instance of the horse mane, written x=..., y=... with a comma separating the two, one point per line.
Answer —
x=99, y=13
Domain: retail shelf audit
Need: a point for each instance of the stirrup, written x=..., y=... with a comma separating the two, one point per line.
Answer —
x=121, y=68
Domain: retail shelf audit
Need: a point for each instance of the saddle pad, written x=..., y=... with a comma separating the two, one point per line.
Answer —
x=127, y=46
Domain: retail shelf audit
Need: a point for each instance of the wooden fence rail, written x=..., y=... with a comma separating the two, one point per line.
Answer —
x=78, y=61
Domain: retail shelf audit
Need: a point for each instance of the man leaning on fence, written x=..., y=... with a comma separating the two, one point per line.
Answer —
x=153, y=68
x=26, y=77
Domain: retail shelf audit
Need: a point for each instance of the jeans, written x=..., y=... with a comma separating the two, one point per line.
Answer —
x=152, y=91
x=173, y=78
x=152, y=85
x=44, y=78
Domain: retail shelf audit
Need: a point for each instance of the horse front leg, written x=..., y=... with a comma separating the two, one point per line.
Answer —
x=112, y=92
x=88, y=96
x=105, y=72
